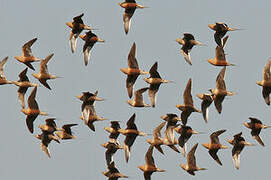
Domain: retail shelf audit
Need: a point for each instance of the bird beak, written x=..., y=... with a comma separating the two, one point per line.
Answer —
x=100, y=40
x=212, y=26
x=247, y=143
x=246, y=124
x=230, y=141
x=79, y=96
x=233, y=29
x=195, y=132
x=163, y=117
x=82, y=36
x=198, y=43
x=99, y=99
x=264, y=126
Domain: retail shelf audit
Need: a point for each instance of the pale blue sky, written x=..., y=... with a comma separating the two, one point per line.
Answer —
x=154, y=30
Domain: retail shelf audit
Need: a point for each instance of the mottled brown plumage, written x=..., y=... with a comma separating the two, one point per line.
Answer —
x=27, y=57
x=187, y=42
x=50, y=125
x=66, y=132
x=185, y=133
x=155, y=81
x=157, y=139
x=266, y=82
x=191, y=166
x=46, y=137
x=171, y=120
x=188, y=107
x=3, y=79
x=23, y=83
x=112, y=146
x=131, y=133
x=256, y=126
x=238, y=143
x=132, y=71
x=43, y=74
x=113, y=173
x=77, y=27
x=207, y=100
x=149, y=166
x=215, y=145
x=138, y=98
x=113, y=130
x=87, y=107
x=220, y=91
x=220, y=29
x=90, y=39
x=130, y=6
x=220, y=56
x=32, y=111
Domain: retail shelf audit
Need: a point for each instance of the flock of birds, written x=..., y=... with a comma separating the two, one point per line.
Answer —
x=50, y=131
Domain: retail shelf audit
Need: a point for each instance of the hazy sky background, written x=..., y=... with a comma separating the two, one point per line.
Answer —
x=154, y=30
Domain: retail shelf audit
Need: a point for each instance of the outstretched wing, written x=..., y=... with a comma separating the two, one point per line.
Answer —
x=27, y=48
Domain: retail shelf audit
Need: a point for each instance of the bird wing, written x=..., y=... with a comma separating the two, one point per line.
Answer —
x=187, y=57
x=218, y=103
x=266, y=92
x=130, y=1
x=220, y=83
x=2, y=64
x=236, y=160
x=87, y=111
x=157, y=131
x=44, y=83
x=43, y=64
x=109, y=157
x=266, y=70
x=32, y=103
x=255, y=120
x=214, y=136
x=149, y=158
x=23, y=76
x=204, y=108
x=132, y=62
x=91, y=125
x=258, y=139
x=219, y=54
x=27, y=48
x=131, y=122
x=29, y=122
x=73, y=41
x=45, y=149
x=213, y=154
x=147, y=175
x=78, y=19
x=50, y=122
x=139, y=96
x=130, y=81
x=127, y=20
x=153, y=71
x=21, y=92
x=67, y=128
x=152, y=91
x=191, y=159
x=187, y=97
x=86, y=51
x=184, y=116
